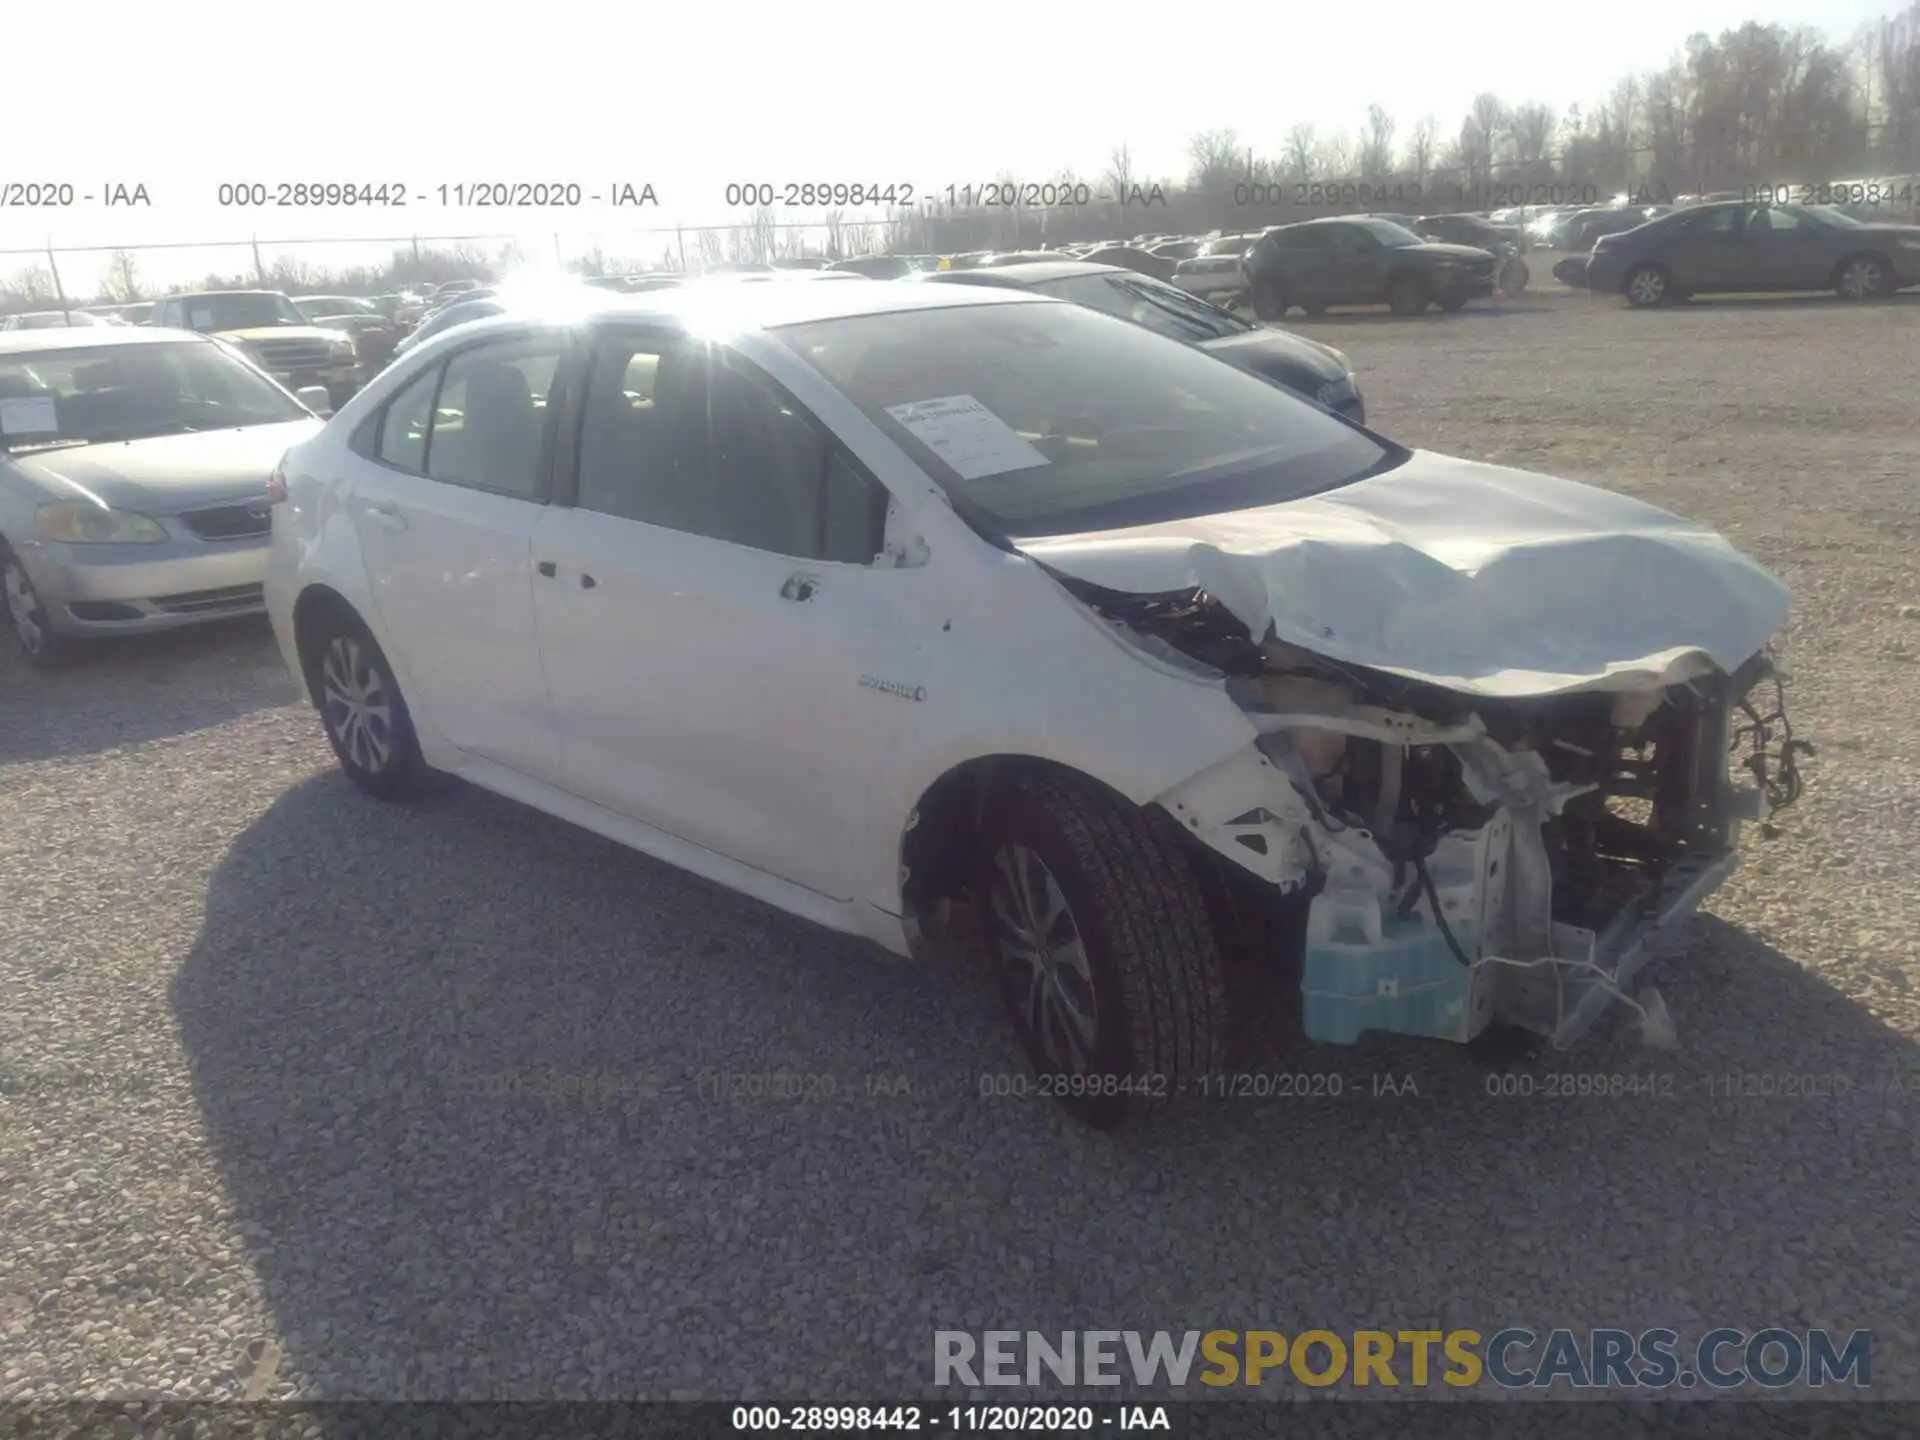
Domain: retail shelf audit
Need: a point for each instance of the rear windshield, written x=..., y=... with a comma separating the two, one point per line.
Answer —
x=1051, y=419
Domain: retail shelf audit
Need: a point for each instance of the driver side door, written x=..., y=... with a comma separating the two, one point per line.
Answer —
x=711, y=615
x=1714, y=252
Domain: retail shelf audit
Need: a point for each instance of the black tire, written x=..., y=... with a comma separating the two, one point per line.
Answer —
x=1269, y=301
x=1408, y=294
x=380, y=755
x=1148, y=959
x=1647, y=286
x=44, y=647
x=1863, y=276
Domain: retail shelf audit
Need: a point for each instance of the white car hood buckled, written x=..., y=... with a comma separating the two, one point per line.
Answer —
x=1478, y=578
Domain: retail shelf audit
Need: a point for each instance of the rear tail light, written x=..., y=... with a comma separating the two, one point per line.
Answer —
x=277, y=486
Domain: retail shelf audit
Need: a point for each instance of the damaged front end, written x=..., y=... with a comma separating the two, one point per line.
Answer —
x=1465, y=859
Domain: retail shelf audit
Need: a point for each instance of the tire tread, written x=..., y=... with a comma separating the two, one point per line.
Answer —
x=1153, y=919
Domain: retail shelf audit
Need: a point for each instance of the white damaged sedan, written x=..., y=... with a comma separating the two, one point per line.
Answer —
x=932, y=612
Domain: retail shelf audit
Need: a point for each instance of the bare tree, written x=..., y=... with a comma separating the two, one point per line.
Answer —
x=297, y=276
x=33, y=284
x=1480, y=135
x=1531, y=129
x=1896, y=79
x=763, y=235
x=1302, y=150
x=1333, y=158
x=1376, y=144
x=1213, y=157
x=1420, y=148
x=121, y=283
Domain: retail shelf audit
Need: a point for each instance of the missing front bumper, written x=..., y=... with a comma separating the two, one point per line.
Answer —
x=1502, y=920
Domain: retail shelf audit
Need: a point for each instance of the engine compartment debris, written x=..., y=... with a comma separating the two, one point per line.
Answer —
x=1467, y=859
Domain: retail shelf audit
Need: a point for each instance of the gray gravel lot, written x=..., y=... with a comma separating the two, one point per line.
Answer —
x=301, y=1095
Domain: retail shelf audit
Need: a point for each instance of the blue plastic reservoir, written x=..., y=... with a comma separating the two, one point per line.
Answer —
x=1408, y=981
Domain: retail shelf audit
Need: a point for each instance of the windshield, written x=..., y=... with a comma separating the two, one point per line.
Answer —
x=1163, y=309
x=1052, y=419
x=1386, y=232
x=239, y=310
x=108, y=393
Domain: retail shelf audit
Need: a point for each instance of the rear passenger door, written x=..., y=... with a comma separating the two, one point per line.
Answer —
x=712, y=608
x=450, y=476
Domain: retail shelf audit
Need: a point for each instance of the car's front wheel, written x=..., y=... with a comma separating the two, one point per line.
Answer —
x=1269, y=300
x=365, y=716
x=27, y=615
x=1103, y=948
x=1407, y=295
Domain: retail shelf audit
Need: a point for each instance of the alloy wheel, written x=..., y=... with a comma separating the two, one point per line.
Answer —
x=1043, y=961
x=22, y=607
x=1862, y=278
x=356, y=704
x=1647, y=286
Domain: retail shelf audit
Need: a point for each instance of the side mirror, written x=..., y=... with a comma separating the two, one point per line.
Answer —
x=316, y=399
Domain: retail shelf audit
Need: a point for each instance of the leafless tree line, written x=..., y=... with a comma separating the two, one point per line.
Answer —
x=1761, y=104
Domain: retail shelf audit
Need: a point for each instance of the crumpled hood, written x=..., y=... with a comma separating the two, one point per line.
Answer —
x=1478, y=578
x=168, y=473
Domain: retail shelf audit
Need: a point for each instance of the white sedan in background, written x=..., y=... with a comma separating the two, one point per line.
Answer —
x=940, y=613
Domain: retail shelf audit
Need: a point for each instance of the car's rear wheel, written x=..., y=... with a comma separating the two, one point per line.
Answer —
x=1269, y=300
x=1646, y=286
x=27, y=616
x=1862, y=277
x=1407, y=294
x=365, y=716
x=1103, y=948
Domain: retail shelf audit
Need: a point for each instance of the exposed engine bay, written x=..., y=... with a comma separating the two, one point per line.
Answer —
x=1464, y=858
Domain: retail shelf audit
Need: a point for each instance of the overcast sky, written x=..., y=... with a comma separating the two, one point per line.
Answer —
x=182, y=98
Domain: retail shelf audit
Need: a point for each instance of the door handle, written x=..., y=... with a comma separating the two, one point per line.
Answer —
x=387, y=514
x=799, y=588
x=545, y=567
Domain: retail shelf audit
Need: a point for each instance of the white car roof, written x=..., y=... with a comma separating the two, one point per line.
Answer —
x=754, y=307
x=91, y=337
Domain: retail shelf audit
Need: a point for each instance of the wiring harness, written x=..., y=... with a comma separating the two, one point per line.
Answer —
x=1773, y=750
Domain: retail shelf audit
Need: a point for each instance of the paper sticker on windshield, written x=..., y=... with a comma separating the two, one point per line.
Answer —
x=969, y=437
x=28, y=415
x=200, y=319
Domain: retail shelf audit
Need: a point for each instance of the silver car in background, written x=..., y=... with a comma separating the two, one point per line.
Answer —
x=133, y=482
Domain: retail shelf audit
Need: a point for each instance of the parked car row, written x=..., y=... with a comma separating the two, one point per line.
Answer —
x=1740, y=247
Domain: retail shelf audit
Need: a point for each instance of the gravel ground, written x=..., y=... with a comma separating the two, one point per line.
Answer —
x=301, y=1095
